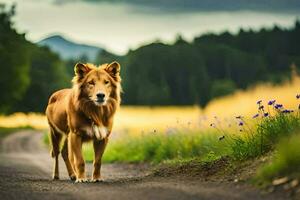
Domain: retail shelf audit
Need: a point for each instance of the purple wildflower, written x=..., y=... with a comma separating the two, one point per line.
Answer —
x=287, y=111
x=271, y=102
x=259, y=102
x=278, y=106
x=255, y=116
x=266, y=114
x=298, y=96
x=241, y=124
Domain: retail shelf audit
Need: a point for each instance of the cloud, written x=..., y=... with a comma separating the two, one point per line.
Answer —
x=207, y=5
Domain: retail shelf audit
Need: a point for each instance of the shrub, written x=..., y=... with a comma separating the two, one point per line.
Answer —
x=285, y=162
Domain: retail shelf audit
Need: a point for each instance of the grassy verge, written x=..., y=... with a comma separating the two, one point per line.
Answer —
x=160, y=147
x=6, y=131
x=285, y=162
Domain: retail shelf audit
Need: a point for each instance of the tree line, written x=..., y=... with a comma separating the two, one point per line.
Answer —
x=29, y=73
x=183, y=73
x=212, y=65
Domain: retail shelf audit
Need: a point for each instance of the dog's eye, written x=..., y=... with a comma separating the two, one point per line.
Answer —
x=91, y=83
x=106, y=82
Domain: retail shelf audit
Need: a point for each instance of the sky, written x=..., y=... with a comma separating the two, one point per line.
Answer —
x=120, y=27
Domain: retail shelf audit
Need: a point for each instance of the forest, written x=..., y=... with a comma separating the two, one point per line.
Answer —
x=183, y=73
x=211, y=66
x=28, y=73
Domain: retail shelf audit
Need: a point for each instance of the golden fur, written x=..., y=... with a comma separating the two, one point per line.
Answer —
x=77, y=115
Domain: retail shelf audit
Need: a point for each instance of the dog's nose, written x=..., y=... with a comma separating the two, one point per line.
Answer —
x=100, y=96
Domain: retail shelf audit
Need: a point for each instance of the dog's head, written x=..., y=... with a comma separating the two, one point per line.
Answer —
x=97, y=84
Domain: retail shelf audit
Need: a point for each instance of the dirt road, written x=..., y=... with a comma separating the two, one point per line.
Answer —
x=25, y=173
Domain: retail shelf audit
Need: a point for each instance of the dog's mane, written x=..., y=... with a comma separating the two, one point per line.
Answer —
x=98, y=114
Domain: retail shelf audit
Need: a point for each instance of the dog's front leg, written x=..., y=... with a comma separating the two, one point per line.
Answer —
x=99, y=147
x=76, y=148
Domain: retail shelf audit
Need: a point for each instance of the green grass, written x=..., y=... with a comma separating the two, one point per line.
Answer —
x=46, y=138
x=159, y=147
x=6, y=131
x=285, y=162
x=265, y=136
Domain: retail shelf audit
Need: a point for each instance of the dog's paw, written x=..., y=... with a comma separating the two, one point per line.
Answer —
x=81, y=180
x=54, y=178
x=73, y=178
x=97, y=180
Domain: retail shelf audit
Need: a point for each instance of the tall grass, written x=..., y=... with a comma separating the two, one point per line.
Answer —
x=263, y=139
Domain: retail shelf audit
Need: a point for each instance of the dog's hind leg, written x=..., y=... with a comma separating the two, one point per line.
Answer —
x=71, y=155
x=55, y=139
x=65, y=155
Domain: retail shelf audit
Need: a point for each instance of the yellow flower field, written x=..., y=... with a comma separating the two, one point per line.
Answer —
x=133, y=119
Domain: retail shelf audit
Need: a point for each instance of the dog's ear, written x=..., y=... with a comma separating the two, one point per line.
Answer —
x=113, y=69
x=81, y=70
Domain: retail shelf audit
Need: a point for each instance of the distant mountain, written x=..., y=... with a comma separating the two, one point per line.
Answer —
x=70, y=50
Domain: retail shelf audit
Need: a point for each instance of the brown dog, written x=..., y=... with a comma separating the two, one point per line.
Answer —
x=83, y=113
